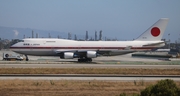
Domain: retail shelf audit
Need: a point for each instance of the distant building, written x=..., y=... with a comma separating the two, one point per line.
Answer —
x=69, y=36
x=49, y=35
x=58, y=36
x=95, y=35
x=75, y=37
x=100, y=35
x=37, y=36
x=86, y=36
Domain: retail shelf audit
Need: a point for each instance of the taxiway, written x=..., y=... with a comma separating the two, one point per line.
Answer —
x=105, y=77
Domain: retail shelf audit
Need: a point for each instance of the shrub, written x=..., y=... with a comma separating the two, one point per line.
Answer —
x=162, y=88
x=52, y=83
x=123, y=94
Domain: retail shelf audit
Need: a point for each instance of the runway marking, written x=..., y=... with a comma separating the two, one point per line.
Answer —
x=84, y=75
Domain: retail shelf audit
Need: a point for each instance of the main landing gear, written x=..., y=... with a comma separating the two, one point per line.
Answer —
x=27, y=58
x=85, y=60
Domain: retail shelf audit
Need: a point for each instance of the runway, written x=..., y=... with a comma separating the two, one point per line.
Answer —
x=104, y=77
x=83, y=65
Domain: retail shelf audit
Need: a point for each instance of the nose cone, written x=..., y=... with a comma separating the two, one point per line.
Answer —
x=13, y=47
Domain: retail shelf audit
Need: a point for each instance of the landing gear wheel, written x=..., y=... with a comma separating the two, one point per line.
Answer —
x=79, y=60
x=85, y=60
x=89, y=59
x=27, y=58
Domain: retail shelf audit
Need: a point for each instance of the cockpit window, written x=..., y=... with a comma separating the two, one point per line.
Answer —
x=21, y=40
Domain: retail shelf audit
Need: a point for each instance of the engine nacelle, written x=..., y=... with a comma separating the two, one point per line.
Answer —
x=91, y=54
x=67, y=55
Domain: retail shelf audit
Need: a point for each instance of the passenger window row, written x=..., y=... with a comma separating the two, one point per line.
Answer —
x=26, y=44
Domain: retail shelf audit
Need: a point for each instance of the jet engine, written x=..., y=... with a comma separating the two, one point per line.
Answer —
x=91, y=54
x=67, y=55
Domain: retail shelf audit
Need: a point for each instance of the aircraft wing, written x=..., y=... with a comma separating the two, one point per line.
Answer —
x=100, y=52
x=62, y=51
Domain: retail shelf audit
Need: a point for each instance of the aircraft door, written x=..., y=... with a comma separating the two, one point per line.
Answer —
x=31, y=48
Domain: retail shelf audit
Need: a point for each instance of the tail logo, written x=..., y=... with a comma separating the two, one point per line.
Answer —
x=155, y=31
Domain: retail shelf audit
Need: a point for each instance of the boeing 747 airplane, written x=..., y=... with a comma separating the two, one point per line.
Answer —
x=86, y=50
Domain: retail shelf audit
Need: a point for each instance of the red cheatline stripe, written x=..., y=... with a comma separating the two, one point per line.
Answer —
x=80, y=47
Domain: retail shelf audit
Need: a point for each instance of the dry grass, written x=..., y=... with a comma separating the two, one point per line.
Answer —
x=77, y=88
x=70, y=88
x=124, y=71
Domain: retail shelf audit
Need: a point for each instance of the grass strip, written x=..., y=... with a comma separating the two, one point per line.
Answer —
x=90, y=71
x=71, y=88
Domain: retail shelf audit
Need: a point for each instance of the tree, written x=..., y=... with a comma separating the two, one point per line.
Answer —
x=162, y=88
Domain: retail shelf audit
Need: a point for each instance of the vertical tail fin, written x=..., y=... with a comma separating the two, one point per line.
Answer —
x=155, y=32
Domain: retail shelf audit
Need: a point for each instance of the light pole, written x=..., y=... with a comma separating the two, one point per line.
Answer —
x=169, y=40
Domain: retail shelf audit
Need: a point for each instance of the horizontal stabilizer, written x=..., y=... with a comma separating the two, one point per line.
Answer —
x=154, y=44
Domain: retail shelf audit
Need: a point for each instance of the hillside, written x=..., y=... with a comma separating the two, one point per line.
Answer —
x=18, y=33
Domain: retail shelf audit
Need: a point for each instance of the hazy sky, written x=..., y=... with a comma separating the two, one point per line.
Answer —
x=123, y=19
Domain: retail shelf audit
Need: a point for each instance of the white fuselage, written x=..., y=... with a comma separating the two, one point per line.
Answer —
x=50, y=47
